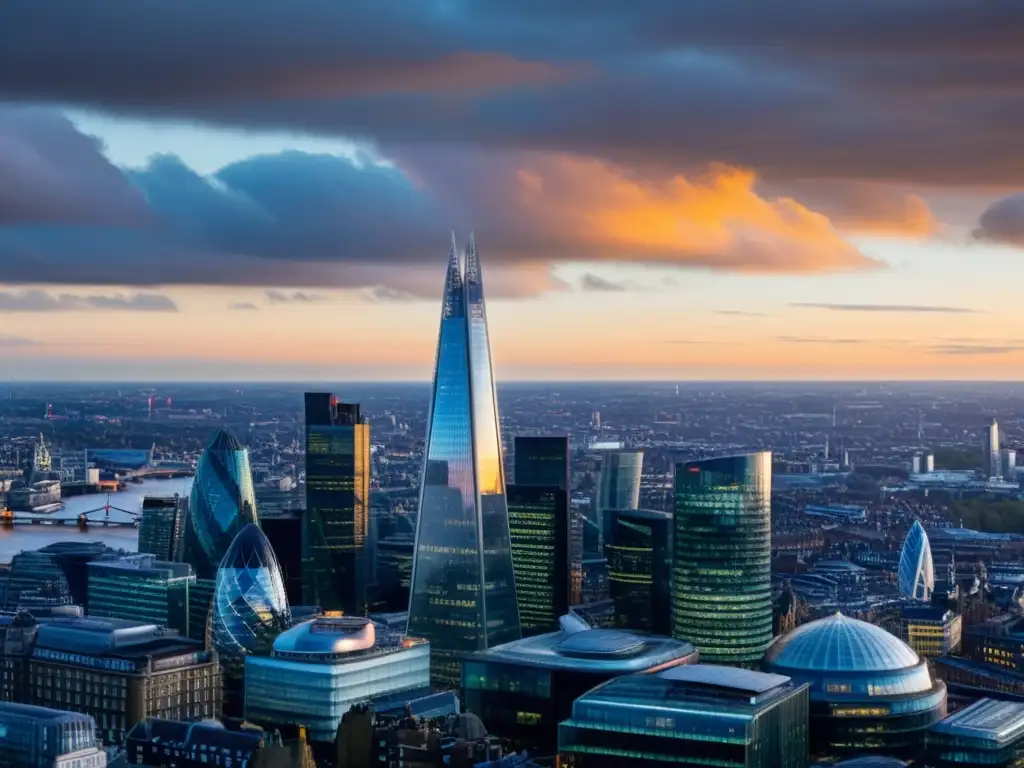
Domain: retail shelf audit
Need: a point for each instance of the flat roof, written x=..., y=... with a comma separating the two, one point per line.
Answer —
x=745, y=680
x=590, y=650
x=991, y=719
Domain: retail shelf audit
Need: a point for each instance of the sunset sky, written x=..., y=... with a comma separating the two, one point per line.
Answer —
x=264, y=190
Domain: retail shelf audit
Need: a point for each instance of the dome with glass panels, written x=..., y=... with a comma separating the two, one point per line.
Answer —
x=917, y=570
x=870, y=692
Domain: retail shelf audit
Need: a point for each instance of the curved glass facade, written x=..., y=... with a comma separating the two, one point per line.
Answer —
x=917, y=571
x=222, y=503
x=721, y=570
x=870, y=692
x=320, y=668
x=250, y=607
x=463, y=594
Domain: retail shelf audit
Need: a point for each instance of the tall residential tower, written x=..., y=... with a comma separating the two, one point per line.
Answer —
x=992, y=469
x=336, y=524
x=463, y=595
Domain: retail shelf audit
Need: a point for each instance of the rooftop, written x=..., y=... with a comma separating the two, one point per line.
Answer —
x=581, y=648
x=838, y=643
x=999, y=721
x=9, y=711
x=117, y=638
x=716, y=688
x=339, y=637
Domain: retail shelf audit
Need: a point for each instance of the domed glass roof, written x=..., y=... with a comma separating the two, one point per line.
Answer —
x=838, y=643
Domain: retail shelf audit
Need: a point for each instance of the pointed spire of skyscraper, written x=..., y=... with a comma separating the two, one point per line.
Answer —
x=454, y=299
x=472, y=262
x=462, y=597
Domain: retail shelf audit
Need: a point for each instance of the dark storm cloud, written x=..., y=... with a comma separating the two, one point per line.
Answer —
x=910, y=308
x=294, y=220
x=41, y=301
x=243, y=306
x=919, y=91
x=1003, y=221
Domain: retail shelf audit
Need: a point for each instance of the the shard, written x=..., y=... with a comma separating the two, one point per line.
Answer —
x=462, y=596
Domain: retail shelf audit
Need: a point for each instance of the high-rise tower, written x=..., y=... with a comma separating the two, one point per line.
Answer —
x=539, y=513
x=991, y=448
x=463, y=595
x=337, y=518
x=721, y=568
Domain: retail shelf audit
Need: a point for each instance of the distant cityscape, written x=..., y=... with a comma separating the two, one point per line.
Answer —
x=522, y=575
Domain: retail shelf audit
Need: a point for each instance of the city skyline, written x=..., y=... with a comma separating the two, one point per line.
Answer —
x=808, y=202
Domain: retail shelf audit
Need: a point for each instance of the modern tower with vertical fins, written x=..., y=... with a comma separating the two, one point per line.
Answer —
x=463, y=596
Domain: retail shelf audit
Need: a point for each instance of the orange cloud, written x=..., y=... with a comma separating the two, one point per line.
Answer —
x=591, y=209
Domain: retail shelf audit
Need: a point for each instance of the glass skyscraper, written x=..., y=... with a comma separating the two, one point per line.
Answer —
x=463, y=595
x=541, y=532
x=917, y=570
x=639, y=569
x=722, y=583
x=337, y=519
x=162, y=526
x=222, y=503
x=250, y=608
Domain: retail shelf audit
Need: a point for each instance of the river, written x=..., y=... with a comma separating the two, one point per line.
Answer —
x=14, y=540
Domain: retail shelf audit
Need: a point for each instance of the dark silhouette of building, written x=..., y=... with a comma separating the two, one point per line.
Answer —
x=162, y=526
x=158, y=743
x=284, y=532
x=639, y=557
x=337, y=518
x=546, y=562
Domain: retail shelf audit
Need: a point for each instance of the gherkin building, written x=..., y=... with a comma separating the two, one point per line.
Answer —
x=462, y=594
x=222, y=503
x=250, y=607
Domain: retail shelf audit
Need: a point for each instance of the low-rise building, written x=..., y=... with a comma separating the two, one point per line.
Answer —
x=318, y=669
x=931, y=631
x=988, y=732
x=713, y=715
x=38, y=737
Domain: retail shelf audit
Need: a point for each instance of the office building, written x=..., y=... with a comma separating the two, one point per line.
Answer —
x=37, y=737
x=141, y=588
x=538, y=521
x=337, y=517
x=542, y=460
x=53, y=575
x=991, y=451
x=639, y=556
x=870, y=692
x=1008, y=465
x=394, y=573
x=523, y=689
x=930, y=631
x=539, y=536
x=162, y=526
x=916, y=577
x=988, y=732
x=118, y=672
x=221, y=504
x=319, y=669
x=250, y=608
x=929, y=463
x=701, y=715
x=721, y=572
x=618, y=487
x=284, y=532
x=463, y=596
